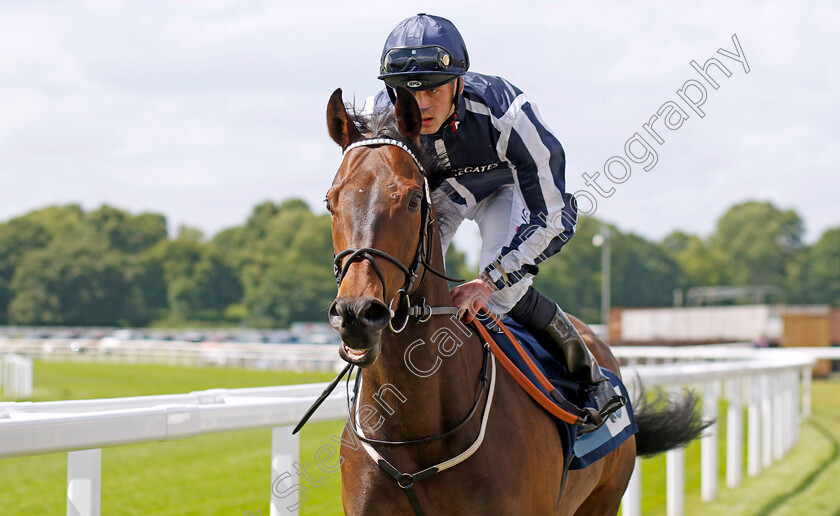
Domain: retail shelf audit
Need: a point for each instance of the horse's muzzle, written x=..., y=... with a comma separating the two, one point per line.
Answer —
x=359, y=322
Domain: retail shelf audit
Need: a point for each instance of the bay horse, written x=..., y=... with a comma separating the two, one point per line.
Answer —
x=411, y=444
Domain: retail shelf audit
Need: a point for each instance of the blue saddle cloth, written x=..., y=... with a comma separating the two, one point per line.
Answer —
x=587, y=448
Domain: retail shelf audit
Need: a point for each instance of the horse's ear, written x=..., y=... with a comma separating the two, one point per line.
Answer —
x=342, y=128
x=407, y=111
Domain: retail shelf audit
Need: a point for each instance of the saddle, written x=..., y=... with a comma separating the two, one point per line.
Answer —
x=546, y=379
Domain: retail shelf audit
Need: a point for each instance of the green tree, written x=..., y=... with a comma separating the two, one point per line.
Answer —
x=107, y=279
x=283, y=257
x=455, y=262
x=72, y=282
x=642, y=273
x=699, y=263
x=293, y=290
x=148, y=289
x=59, y=221
x=822, y=272
x=573, y=277
x=124, y=232
x=758, y=242
x=17, y=238
x=676, y=242
x=199, y=285
x=291, y=277
x=190, y=233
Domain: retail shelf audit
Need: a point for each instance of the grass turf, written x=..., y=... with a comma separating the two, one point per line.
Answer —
x=230, y=473
x=226, y=473
x=803, y=482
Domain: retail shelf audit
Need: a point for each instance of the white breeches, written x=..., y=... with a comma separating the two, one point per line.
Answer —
x=498, y=216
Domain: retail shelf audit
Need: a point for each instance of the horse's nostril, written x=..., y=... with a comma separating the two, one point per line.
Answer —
x=336, y=313
x=359, y=314
x=375, y=314
x=334, y=309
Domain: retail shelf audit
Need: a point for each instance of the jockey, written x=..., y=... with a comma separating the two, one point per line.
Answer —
x=504, y=170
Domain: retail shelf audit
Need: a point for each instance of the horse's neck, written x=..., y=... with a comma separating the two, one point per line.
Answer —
x=433, y=366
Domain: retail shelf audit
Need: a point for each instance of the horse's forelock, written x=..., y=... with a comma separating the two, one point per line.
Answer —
x=382, y=123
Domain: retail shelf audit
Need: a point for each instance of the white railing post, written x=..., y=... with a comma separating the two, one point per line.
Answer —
x=789, y=415
x=778, y=417
x=631, y=502
x=15, y=376
x=766, y=421
x=675, y=475
x=794, y=407
x=797, y=405
x=709, y=443
x=2, y=377
x=734, y=434
x=754, y=427
x=675, y=483
x=27, y=378
x=806, y=392
x=84, y=482
x=287, y=493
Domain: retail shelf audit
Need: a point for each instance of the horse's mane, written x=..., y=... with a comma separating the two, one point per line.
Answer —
x=382, y=123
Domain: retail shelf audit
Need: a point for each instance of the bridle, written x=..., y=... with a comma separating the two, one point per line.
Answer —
x=422, y=257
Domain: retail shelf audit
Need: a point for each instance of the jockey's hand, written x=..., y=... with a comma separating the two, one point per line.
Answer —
x=471, y=297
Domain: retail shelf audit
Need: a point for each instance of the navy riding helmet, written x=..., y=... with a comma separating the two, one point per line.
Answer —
x=423, y=52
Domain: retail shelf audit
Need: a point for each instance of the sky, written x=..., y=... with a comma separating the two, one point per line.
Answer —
x=201, y=110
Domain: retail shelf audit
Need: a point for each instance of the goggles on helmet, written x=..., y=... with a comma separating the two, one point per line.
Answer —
x=427, y=58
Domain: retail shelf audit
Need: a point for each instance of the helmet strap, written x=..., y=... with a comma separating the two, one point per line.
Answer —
x=456, y=99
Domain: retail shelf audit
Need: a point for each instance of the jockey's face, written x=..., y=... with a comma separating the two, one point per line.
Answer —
x=436, y=105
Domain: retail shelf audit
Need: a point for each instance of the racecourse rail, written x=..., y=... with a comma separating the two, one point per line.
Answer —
x=772, y=384
x=287, y=357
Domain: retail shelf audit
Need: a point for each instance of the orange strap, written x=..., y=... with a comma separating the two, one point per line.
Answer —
x=520, y=377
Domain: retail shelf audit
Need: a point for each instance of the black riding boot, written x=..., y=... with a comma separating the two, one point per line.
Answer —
x=543, y=317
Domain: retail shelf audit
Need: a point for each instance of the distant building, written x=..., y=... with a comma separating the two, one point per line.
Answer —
x=762, y=325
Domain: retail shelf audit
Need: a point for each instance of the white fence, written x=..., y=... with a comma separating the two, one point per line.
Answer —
x=15, y=377
x=294, y=357
x=766, y=381
x=773, y=384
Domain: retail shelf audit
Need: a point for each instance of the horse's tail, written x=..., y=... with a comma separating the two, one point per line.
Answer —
x=667, y=422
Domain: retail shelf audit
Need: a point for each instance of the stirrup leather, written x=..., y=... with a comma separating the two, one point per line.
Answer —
x=595, y=418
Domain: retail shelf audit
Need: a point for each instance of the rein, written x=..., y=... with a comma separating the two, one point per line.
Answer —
x=360, y=433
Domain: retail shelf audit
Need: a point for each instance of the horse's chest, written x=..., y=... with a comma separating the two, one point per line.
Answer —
x=499, y=481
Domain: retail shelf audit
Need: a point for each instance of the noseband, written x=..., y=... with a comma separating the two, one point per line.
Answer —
x=422, y=257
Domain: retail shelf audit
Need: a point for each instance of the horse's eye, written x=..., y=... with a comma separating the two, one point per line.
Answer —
x=327, y=203
x=415, y=201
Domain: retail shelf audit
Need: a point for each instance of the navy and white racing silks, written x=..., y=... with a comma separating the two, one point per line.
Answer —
x=497, y=141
